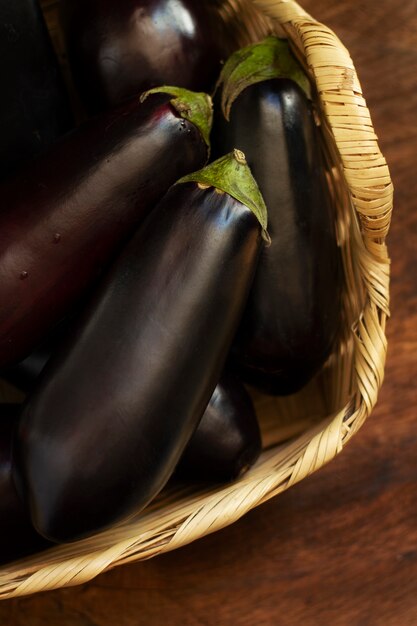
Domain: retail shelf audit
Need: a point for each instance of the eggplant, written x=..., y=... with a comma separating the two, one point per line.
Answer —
x=18, y=538
x=25, y=374
x=293, y=314
x=118, y=49
x=68, y=213
x=34, y=104
x=227, y=441
x=117, y=404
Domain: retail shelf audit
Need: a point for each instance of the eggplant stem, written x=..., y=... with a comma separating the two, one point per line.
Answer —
x=270, y=58
x=195, y=107
x=231, y=174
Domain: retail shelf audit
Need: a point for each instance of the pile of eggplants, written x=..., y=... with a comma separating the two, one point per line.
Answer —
x=141, y=288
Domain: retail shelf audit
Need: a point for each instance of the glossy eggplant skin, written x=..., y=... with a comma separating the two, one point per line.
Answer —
x=34, y=105
x=227, y=441
x=294, y=309
x=118, y=49
x=18, y=538
x=68, y=212
x=116, y=406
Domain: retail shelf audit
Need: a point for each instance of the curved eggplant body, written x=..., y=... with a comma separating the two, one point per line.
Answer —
x=228, y=440
x=68, y=212
x=34, y=106
x=118, y=49
x=17, y=536
x=117, y=405
x=293, y=312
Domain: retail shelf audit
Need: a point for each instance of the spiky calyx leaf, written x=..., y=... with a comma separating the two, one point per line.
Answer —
x=270, y=58
x=232, y=175
x=195, y=107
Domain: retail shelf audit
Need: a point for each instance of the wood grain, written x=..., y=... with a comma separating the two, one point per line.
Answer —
x=341, y=547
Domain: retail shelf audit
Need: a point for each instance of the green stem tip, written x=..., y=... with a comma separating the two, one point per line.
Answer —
x=232, y=174
x=270, y=58
x=195, y=107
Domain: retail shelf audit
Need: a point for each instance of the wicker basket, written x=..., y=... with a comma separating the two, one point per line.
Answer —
x=302, y=432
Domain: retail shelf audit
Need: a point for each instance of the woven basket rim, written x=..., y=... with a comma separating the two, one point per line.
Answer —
x=348, y=128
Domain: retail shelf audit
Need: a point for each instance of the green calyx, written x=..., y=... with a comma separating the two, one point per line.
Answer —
x=194, y=107
x=271, y=58
x=232, y=175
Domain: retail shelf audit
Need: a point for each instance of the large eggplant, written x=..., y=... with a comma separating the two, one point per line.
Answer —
x=293, y=313
x=34, y=106
x=68, y=212
x=116, y=406
x=118, y=49
x=227, y=441
x=17, y=536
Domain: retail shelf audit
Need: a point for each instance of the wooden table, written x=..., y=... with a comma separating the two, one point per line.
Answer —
x=341, y=547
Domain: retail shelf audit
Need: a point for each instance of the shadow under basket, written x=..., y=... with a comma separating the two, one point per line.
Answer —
x=304, y=431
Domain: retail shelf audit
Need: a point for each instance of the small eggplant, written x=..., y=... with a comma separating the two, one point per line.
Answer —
x=118, y=49
x=67, y=214
x=18, y=538
x=227, y=441
x=294, y=309
x=118, y=403
x=34, y=105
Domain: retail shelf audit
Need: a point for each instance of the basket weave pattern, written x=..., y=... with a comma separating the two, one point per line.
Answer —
x=363, y=194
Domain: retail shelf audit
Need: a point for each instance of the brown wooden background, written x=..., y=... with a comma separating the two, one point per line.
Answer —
x=341, y=547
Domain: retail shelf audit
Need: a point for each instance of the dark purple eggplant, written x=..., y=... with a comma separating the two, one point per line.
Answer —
x=18, y=538
x=227, y=441
x=65, y=216
x=118, y=403
x=118, y=49
x=294, y=310
x=34, y=105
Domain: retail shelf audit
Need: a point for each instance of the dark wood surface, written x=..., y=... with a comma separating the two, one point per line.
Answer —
x=339, y=548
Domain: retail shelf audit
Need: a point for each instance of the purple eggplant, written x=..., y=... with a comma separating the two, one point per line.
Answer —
x=118, y=49
x=34, y=105
x=227, y=441
x=294, y=309
x=118, y=403
x=67, y=214
x=18, y=538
